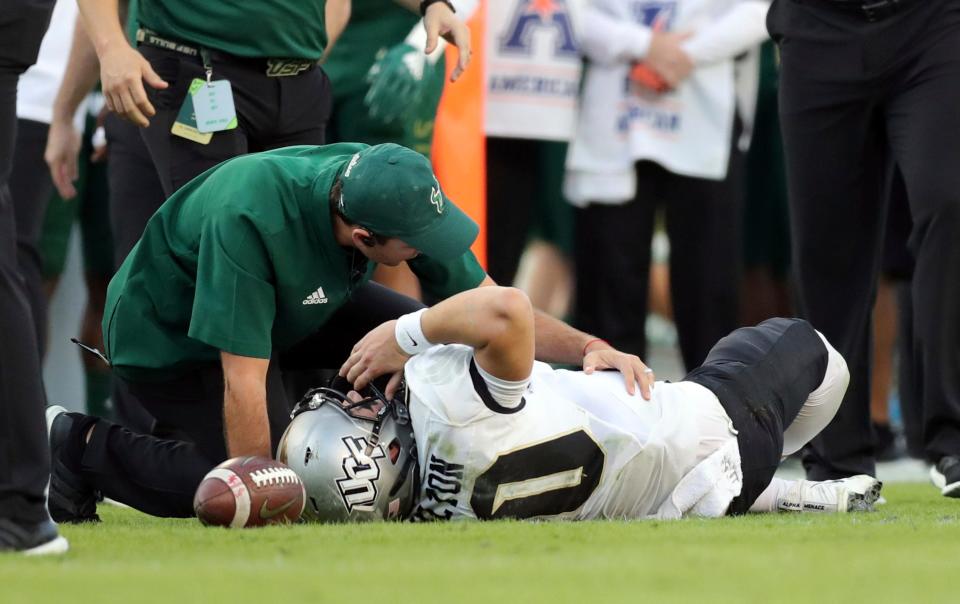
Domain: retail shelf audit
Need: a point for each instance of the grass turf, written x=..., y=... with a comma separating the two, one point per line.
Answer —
x=905, y=552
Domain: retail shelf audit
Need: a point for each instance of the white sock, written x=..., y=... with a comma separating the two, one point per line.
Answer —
x=767, y=501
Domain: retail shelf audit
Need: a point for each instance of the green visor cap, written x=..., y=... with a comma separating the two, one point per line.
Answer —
x=392, y=191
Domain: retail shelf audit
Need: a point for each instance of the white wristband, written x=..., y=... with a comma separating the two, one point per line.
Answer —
x=409, y=334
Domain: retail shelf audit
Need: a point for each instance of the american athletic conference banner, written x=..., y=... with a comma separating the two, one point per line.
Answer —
x=532, y=68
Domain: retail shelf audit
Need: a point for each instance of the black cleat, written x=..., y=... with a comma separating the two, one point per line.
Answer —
x=946, y=475
x=71, y=499
x=38, y=539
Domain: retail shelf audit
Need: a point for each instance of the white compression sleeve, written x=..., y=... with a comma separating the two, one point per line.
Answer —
x=505, y=392
x=821, y=405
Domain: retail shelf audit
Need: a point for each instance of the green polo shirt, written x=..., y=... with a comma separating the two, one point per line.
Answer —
x=292, y=29
x=243, y=259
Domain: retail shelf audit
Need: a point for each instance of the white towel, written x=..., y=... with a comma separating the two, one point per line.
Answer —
x=707, y=489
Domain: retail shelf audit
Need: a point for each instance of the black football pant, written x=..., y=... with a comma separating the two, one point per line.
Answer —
x=612, y=260
x=160, y=475
x=763, y=375
x=24, y=452
x=855, y=94
x=272, y=112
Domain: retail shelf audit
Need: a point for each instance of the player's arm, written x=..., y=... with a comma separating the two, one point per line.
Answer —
x=496, y=321
x=122, y=69
x=557, y=342
x=245, y=424
x=439, y=21
x=63, y=140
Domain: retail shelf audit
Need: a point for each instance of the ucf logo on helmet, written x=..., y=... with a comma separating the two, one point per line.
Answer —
x=358, y=487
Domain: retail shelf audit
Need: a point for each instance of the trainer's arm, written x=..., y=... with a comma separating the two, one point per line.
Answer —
x=245, y=425
x=122, y=69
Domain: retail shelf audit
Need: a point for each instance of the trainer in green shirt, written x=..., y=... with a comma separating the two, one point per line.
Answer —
x=251, y=256
x=257, y=253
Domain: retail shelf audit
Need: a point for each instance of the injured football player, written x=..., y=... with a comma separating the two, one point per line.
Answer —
x=481, y=430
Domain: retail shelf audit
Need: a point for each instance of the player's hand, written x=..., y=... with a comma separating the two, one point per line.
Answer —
x=441, y=21
x=376, y=354
x=63, y=148
x=667, y=57
x=633, y=369
x=123, y=71
x=396, y=83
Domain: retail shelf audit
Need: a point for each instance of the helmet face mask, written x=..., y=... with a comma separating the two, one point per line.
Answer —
x=357, y=459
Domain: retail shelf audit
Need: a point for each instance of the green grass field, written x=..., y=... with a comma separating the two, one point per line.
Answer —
x=906, y=552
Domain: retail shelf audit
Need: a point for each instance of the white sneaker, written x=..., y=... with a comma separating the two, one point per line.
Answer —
x=854, y=494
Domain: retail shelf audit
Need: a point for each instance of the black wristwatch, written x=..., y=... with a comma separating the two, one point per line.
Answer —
x=425, y=4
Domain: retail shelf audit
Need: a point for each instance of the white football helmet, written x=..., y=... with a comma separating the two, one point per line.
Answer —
x=357, y=460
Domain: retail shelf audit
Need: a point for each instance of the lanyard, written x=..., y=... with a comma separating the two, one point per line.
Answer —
x=207, y=64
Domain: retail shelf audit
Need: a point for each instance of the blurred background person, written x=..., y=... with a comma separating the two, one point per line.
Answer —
x=533, y=67
x=109, y=230
x=665, y=109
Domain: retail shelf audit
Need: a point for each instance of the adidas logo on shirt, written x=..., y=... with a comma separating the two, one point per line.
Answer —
x=317, y=297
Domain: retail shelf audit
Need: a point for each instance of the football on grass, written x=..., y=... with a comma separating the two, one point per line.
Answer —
x=249, y=491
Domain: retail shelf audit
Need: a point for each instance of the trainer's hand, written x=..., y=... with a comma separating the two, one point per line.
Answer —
x=633, y=369
x=441, y=21
x=667, y=57
x=63, y=148
x=123, y=71
x=376, y=354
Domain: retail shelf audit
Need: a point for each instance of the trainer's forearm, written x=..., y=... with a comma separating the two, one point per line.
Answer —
x=245, y=424
x=557, y=342
x=80, y=76
x=102, y=21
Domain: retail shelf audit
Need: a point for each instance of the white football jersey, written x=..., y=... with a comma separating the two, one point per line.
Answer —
x=577, y=447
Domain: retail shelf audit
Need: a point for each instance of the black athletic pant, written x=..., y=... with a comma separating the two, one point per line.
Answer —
x=853, y=95
x=763, y=376
x=31, y=188
x=24, y=452
x=612, y=260
x=135, y=194
x=271, y=112
x=159, y=476
x=135, y=189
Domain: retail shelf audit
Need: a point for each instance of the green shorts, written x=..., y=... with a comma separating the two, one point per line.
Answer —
x=91, y=207
x=553, y=215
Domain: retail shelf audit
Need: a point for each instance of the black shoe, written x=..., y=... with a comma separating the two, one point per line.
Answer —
x=946, y=475
x=71, y=499
x=38, y=539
